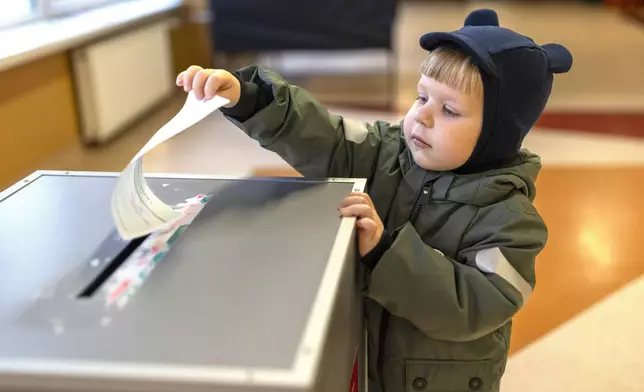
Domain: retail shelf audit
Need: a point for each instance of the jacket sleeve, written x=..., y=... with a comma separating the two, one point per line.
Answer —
x=299, y=129
x=464, y=299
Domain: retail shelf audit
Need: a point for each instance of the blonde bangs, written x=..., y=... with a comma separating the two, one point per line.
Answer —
x=454, y=69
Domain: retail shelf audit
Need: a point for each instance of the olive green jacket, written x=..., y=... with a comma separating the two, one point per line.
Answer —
x=439, y=303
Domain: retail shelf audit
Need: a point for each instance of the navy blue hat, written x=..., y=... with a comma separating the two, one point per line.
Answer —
x=517, y=79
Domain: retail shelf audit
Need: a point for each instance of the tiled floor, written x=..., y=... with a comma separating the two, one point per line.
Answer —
x=586, y=308
x=599, y=350
x=559, y=148
x=595, y=216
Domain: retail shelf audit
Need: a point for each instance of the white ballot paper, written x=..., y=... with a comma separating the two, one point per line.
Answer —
x=136, y=210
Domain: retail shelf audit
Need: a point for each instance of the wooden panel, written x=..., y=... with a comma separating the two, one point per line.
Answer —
x=191, y=41
x=37, y=115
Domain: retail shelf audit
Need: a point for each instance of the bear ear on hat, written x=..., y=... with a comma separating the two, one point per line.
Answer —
x=482, y=17
x=559, y=58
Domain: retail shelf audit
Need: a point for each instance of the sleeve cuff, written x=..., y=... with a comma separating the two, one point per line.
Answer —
x=247, y=105
x=252, y=99
x=371, y=259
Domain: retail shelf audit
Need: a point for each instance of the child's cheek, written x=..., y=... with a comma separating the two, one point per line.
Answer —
x=408, y=124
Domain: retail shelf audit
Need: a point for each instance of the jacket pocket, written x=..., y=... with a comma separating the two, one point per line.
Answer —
x=451, y=376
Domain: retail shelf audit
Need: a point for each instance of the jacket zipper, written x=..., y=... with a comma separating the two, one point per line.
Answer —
x=423, y=198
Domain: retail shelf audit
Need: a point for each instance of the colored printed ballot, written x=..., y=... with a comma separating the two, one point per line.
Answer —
x=136, y=210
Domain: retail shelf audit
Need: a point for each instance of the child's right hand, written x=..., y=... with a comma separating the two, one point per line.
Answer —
x=206, y=83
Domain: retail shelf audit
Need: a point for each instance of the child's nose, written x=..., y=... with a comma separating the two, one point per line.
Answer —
x=425, y=115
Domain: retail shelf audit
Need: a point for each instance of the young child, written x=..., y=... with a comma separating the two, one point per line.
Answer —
x=447, y=230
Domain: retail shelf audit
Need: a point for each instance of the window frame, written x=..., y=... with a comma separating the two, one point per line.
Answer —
x=36, y=14
x=44, y=10
x=71, y=6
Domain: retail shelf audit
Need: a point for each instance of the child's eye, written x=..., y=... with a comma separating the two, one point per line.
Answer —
x=421, y=99
x=449, y=112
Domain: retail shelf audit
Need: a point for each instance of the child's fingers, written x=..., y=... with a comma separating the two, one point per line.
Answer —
x=353, y=199
x=199, y=83
x=179, y=80
x=358, y=210
x=213, y=84
x=367, y=225
x=189, y=75
x=365, y=196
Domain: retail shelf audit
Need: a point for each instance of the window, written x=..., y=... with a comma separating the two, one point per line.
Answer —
x=59, y=7
x=17, y=11
x=20, y=11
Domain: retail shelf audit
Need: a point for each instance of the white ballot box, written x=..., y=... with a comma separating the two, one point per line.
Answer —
x=258, y=291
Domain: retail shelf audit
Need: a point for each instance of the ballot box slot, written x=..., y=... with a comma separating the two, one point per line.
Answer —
x=113, y=265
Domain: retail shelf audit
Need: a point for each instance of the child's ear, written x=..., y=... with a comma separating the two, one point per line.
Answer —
x=482, y=17
x=559, y=58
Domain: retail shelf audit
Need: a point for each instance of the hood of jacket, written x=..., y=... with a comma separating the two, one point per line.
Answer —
x=490, y=186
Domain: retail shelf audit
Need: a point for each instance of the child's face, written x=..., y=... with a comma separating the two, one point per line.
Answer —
x=443, y=125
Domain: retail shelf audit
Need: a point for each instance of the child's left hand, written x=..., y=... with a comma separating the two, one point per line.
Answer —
x=370, y=227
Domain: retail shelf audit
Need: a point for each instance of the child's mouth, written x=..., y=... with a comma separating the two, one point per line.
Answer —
x=419, y=143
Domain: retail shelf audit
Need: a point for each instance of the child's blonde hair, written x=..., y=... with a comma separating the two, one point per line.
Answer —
x=453, y=68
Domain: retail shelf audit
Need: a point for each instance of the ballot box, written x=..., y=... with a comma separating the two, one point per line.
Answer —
x=260, y=291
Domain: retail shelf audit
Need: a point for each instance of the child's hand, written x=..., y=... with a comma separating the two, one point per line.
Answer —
x=206, y=83
x=370, y=227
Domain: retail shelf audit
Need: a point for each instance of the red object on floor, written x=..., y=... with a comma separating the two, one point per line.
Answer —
x=353, y=387
x=620, y=124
